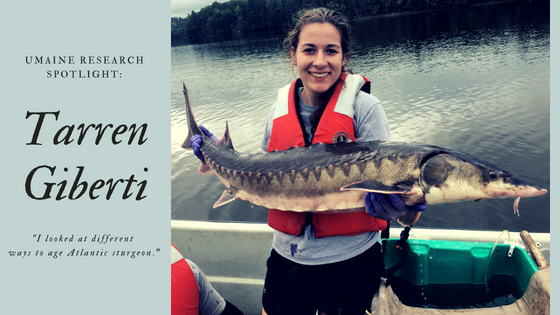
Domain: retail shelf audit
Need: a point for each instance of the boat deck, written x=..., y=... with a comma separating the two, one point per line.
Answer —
x=233, y=255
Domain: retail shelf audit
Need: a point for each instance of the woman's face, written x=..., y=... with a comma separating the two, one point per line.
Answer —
x=319, y=59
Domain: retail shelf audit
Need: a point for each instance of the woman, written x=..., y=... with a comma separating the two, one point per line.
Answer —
x=327, y=262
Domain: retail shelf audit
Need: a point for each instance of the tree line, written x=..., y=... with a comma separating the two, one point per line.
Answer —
x=255, y=15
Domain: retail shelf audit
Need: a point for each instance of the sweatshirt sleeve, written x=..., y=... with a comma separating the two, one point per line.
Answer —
x=267, y=129
x=370, y=121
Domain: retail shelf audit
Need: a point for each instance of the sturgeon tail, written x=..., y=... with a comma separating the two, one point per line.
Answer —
x=193, y=126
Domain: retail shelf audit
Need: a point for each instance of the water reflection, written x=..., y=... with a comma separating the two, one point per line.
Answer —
x=473, y=79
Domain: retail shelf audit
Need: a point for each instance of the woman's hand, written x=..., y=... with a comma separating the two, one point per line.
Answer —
x=196, y=141
x=389, y=207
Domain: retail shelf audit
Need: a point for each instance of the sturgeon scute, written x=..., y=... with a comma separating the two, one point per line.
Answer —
x=336, y=177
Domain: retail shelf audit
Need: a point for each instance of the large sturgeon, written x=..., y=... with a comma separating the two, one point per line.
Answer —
x=336, y=177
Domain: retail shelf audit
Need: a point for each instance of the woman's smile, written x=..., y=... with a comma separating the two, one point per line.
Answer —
x=319, y=75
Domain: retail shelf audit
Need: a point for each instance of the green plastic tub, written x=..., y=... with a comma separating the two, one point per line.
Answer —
x=450, y=274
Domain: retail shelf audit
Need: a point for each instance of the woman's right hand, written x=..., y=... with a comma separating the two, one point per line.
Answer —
x=196, y=141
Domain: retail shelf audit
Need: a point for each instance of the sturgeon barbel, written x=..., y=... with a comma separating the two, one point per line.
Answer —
x=336, y=177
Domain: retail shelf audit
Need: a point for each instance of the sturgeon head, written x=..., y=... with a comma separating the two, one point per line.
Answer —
x=456, y=176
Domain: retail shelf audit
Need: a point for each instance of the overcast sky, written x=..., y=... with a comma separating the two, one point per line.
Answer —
x=181, y=8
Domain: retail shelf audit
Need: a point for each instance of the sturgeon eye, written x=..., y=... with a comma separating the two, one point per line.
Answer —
x=493, y=175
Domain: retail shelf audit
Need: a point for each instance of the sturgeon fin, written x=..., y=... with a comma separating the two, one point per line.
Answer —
x=226, y=197
x=225, y=143
x=409, y=218
x=193, y=127
x=187, y=143
x=205, y=169
x=377, y=187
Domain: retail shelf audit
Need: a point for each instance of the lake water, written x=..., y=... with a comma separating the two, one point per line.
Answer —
x=473, y=79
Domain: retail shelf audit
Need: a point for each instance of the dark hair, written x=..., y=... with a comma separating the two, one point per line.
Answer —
x=320, y=15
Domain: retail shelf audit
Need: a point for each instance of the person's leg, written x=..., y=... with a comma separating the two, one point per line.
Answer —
x=288, y=288
x=349, y=286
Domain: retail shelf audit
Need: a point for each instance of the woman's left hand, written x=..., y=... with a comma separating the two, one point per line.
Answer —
x=389, y=207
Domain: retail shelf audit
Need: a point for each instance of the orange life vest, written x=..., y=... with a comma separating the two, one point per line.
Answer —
x=185, y=297
x=336, y=123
